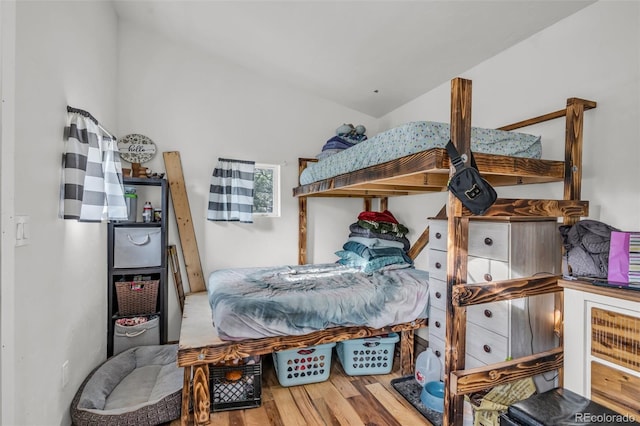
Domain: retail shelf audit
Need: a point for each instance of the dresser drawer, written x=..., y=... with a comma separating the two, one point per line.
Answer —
x=480, y=269
x=438, y=264
x=489, y=239
x=438, y=234
x=492, y=316
x=438, y=294
x=486, y=345
x=471, y=362
x=437, y=345
x=437, y=323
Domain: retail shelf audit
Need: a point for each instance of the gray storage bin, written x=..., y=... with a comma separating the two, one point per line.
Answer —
x=145, y=334
x=137, y=247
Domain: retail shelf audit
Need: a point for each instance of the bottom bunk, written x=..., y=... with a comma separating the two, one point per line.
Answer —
x=200, y=346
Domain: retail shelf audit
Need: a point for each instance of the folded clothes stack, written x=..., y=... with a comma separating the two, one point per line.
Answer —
x=376, y=242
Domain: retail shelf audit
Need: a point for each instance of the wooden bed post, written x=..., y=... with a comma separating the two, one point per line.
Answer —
x=384, y=203
x=302, y=218
x=458, y=227
x=572, y=184
x=302, y=230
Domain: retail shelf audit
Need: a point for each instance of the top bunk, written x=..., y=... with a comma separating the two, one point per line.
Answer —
x=419, y=162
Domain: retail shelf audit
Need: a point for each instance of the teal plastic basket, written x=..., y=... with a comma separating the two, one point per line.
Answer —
x=371, y=355
x=302, y=366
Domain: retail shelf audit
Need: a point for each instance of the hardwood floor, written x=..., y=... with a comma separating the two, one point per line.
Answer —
x=341, y=400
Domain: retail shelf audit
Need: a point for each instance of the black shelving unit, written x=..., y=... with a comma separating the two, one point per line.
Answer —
x=127, y=274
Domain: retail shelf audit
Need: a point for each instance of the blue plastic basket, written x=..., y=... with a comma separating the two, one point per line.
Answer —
x=371, y=355
x=301, y=366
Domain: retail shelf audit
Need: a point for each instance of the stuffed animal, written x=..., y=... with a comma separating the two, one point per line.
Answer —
x=351, y=132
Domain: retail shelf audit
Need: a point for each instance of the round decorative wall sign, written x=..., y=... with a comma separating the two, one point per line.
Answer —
x=136, y=148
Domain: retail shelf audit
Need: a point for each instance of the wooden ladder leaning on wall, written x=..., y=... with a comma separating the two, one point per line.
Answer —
x=459, y=381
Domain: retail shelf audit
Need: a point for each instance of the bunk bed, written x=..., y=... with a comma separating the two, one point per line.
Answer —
x=418, y=172
x=428, y=171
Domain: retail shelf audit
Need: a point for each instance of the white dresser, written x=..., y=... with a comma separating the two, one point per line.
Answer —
x=602, y=345
x=498, y=250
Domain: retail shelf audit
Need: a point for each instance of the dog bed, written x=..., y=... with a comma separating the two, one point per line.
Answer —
x=140, y=386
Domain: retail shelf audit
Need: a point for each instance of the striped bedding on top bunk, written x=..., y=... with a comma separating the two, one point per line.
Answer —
x=415, y=137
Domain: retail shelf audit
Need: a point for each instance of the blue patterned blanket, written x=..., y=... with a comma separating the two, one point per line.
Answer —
x=414, y=137
x=293, y=300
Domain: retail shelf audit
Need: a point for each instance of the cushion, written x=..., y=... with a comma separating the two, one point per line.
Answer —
x=142, y=386
x=562, y=407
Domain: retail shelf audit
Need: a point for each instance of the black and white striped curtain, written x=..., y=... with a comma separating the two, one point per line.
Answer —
x=91, y=187
x=231, y=191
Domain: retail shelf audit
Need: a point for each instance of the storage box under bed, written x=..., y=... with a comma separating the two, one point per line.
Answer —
x=370, y=355
x=302, y=366
x=236, y=387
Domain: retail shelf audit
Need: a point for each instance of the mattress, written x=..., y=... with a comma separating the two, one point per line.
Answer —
x=249, y=303
x=415, y=137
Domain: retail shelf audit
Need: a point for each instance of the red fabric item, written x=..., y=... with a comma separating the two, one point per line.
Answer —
x=384, y=216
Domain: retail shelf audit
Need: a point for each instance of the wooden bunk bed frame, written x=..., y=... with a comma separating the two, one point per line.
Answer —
x=426, y=171
x=429, y=171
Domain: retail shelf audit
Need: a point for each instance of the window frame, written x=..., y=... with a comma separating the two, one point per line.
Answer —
x=275, y=189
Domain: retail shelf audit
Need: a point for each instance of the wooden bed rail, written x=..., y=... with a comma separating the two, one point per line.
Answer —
x=550, y=116
x=478, y=379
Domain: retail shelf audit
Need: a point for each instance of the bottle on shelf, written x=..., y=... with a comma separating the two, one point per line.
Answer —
x=147, y=212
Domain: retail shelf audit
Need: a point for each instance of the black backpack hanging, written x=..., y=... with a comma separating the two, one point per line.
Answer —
x=475, y=193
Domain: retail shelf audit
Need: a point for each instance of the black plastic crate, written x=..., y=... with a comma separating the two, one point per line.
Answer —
x=235, y=387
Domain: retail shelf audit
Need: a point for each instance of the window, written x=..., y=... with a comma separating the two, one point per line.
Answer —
x=266, y=191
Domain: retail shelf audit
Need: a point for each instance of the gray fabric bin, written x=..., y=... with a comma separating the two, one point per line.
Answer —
x=137, y=247
x=145, y=334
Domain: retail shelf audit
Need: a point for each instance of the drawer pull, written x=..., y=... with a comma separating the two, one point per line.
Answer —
x=438, y=265
x=487, y=348
x=437, y=324
x=438, y=295
x=437, y=353
x=488, y=241
x=488, y=313
x=488, y=277
x=438, y=235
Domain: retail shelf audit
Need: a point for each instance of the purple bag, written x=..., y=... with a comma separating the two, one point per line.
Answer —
x=624, y=257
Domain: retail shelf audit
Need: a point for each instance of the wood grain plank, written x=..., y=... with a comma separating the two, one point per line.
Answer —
x=618, y=389
x=342, y=382
x=536, y=208
x=369, y=409
x=220, y=418
x=340, y=408
x=289, y=412
x=305, y=406
x=472, y=294
x=397, y=407
x=180, y=199
x=547, y=117
x=256, y=416
x=485, y=377
x=615, y=337
x=273, y=413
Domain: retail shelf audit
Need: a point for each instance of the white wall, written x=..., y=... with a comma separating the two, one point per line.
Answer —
x=65, y=54
x=593, y=54
x=206, y=108
x=137, y=82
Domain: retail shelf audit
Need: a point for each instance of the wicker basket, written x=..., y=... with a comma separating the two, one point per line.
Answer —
x=137, y=297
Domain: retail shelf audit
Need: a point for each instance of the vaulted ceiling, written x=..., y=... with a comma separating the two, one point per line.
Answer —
x=371, y=56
